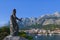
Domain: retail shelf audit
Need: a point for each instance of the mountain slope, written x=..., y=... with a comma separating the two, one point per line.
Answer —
x=47, y=19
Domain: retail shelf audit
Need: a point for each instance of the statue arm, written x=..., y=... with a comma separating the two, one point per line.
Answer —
x=19, y=19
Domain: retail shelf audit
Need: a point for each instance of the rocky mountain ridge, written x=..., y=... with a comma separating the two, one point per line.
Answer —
x=42, y=20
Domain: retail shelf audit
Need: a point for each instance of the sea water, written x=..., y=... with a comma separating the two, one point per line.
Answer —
x=46, y=37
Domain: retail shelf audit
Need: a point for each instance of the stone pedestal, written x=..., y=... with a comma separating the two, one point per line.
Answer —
x=14, y=38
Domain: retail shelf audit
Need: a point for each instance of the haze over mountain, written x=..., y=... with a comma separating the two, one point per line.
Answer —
x=42, y=20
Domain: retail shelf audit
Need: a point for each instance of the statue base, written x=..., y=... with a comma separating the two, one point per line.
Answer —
x=14, y=38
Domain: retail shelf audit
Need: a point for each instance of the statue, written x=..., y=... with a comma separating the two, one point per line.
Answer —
x=13, y=24
x=14, y=28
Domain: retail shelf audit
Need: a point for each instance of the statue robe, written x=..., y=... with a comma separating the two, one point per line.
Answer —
x=13, y=26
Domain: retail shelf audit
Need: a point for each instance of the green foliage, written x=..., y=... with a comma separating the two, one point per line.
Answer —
x=23, y=34
x=32, y=26
x=29, y=37
x=39, y=26
x=36, y=26
x=4, y=31
x=50, y=27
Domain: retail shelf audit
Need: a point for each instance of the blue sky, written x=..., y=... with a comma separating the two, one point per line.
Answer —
x=27, y=8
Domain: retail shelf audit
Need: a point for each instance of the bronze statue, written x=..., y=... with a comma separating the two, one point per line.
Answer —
x=14, y=28
x=13, y=24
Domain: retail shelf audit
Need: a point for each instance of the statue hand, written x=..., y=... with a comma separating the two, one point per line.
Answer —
x=20, y=19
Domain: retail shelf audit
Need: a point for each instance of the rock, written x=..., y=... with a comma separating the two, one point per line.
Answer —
x=14, y=38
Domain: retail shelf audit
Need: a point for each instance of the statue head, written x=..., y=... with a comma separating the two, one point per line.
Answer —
x=14, y=11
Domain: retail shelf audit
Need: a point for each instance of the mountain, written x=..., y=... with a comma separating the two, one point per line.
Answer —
x=33, y=22
x=27, y=21
x=42, y=20
x=50, y=19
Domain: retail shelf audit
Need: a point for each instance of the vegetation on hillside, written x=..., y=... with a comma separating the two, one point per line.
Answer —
x=51, y=27
x=5, y=31
x=46, y=27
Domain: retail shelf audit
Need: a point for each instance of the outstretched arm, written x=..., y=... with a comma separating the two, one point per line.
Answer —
x=19, y=19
